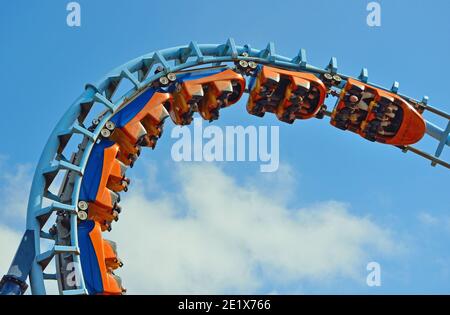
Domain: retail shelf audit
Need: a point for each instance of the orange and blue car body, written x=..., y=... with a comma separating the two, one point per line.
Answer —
x=377, y=115
x=98, y=259
x=103, y=174
x=206, y=92
x=139, y=123
x=104, y=177
x=289, y=94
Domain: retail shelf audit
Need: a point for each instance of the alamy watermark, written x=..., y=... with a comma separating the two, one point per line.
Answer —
x=74, y=17
x=73, y=274
x=233, y=143
x=374, y=277
x=374, y=17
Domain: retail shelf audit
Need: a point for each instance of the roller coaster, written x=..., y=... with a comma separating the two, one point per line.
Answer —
x=176, y=83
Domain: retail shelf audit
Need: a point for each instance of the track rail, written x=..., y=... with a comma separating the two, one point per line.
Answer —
x=42, y=203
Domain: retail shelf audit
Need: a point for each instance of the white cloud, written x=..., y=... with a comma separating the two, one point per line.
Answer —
x=427, y=218
x=16, y=182
x=217, y=236
x=438, y=222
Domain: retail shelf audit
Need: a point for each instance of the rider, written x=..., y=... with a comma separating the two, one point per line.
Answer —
x=312, y=96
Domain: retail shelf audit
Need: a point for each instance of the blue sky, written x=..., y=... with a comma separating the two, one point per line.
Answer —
x=45, y=65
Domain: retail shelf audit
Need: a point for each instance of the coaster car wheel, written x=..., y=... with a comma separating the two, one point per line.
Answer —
x=331, y=80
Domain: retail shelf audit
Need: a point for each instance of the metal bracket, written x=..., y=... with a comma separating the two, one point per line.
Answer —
x=364, y=75
x=300, y=59
x=332, y=65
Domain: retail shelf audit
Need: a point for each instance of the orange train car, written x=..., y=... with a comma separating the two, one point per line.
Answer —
x=377, y=115
x=289, y=94
x=140, y=123
x=104, y=177
x=206, y=92
x=98, y=260
x=112, y=261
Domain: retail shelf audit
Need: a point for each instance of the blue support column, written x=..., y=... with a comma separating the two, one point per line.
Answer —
x=14, y=282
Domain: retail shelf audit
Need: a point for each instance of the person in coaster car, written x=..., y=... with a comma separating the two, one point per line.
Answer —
x=305, y=105
x=387, y=122
x=356, y=117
